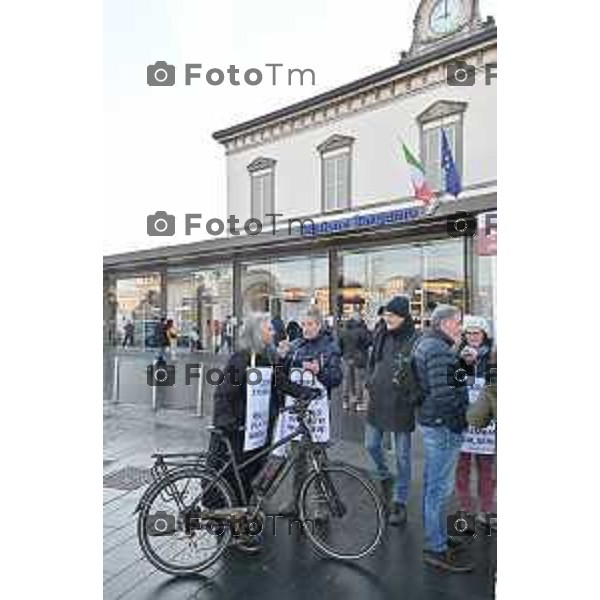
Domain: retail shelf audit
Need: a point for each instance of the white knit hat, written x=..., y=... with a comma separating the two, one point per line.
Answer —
x=474, y=322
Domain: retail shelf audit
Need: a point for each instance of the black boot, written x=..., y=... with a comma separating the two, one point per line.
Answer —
x=386, y=492
x=398, y=514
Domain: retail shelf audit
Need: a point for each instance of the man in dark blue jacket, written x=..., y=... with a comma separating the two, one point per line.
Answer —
x=318, y=352
x=442, y=418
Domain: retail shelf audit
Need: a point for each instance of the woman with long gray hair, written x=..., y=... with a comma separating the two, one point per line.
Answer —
x=255, y=350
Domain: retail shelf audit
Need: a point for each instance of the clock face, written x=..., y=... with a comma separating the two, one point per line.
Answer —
x=445, y=16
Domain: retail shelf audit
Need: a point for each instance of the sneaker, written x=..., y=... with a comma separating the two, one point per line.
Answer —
x=250, y=546
x=398, y=514
x=458, y=543
x=446, y=561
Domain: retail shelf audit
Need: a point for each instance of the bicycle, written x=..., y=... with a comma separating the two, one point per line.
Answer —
x=204, y=518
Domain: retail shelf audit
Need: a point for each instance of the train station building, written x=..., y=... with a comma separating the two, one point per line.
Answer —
x=337, y=159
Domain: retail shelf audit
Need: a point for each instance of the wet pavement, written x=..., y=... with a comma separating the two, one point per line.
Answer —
x=288, y=567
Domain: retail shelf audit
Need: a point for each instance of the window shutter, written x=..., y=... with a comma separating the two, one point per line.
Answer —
x=255, y=198
x=329, y=184
x=268, y=194
x=262, y=200
x=342, y=181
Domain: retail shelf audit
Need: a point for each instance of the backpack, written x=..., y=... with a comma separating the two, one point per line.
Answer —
x=405, y=379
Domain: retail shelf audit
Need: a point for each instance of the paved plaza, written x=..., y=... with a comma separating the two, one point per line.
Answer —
x=288, y=567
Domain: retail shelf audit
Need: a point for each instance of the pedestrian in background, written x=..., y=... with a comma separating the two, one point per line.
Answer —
x=160, y=335
x=380, y=323
x=354, y=341
x=293, y=330
x=442, y=418
x=128, y=339
x=227, y=334
x=194, y=339
x=475, y=351
x=278, y=330
x=171, y=337
x=394, y=395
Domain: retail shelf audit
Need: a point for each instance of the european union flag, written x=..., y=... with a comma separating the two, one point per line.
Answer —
x=451, y=176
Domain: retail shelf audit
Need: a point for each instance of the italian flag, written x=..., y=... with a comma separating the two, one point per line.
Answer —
x=417, y=174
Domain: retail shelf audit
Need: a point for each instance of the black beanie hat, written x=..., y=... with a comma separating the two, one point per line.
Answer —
x=399, y=305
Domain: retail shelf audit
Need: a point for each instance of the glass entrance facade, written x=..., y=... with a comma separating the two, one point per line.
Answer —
x=138, y=303
x=429, y=273
x=286, y=287
x=199, y=299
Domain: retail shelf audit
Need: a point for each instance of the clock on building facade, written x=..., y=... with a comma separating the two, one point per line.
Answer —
x=440, y=21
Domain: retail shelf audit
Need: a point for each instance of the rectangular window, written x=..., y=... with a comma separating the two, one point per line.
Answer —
x=262, y=194
x=336, y=180
x=432, y=151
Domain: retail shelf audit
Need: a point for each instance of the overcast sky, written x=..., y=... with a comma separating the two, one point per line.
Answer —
x=158, y=149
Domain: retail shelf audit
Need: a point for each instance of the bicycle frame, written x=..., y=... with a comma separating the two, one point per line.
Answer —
x=301, y=430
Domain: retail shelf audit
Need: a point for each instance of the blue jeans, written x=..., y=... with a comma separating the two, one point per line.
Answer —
x=441, y=448
x=401, y=441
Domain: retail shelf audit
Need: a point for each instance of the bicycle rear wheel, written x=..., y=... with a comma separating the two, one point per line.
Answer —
x=341, y=512
x=171, y=533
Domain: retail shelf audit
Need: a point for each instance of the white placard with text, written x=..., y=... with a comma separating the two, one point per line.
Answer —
x=258, y=401
x=479, y=440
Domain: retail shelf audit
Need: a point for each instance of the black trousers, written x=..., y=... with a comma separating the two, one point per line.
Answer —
x=218, y=456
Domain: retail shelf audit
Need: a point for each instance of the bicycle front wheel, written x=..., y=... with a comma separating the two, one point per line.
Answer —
x=341, y=512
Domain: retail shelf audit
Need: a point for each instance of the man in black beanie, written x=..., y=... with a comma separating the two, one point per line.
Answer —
x=394, y=395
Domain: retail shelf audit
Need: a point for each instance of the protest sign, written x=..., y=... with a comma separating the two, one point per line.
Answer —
x=258, y=400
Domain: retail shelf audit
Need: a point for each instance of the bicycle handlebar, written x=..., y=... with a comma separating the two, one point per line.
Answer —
x=300, y=405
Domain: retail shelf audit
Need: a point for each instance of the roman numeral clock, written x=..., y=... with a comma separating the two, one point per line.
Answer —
x=439, y=21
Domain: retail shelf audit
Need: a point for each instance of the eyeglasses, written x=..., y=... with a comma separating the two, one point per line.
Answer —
x=474, y=332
